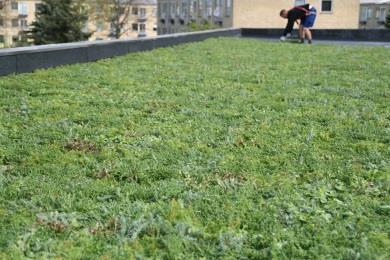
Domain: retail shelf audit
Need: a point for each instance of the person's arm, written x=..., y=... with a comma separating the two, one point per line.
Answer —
x=290, y=26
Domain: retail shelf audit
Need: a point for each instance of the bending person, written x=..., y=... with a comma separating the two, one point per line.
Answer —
x=306, y=14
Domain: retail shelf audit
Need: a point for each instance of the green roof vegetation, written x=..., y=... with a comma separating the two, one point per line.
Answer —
x=226, y=148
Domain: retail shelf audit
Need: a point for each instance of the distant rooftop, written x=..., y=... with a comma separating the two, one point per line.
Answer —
x=375, y=1
x=144, y=2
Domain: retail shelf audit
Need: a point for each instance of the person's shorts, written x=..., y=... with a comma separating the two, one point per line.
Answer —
x=309, y=20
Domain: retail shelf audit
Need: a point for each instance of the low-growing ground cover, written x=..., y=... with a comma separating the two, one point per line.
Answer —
x=225, y=148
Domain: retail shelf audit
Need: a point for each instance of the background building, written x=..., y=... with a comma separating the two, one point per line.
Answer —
x=332, y=14
x=185, y=15
x=373, y=13
x=179, y=15
x=15, y=18
x=141, y=22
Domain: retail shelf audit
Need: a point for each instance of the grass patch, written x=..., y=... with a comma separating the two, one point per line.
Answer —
x=221, y=149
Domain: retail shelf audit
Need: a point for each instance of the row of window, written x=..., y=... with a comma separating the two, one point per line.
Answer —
x=141, y=12
x=21, y=7
x=169, y=30
x=193, y=8
x=368, y=12
x=138, y=27
x=22, y=23
x=15, y=38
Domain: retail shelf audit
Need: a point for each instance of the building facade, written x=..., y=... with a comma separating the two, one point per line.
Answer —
x=178, y=15
x=332, y=14
x=373, y=13
x=15, y=18
x=141, y=22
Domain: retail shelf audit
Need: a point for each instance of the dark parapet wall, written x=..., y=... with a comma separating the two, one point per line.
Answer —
x=28, y=59
x=377, y=35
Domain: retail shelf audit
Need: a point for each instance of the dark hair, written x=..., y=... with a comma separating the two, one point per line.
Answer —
x=282, y=12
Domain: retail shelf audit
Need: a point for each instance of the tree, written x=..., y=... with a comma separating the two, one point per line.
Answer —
x=387, y=22
x=114, y=12
x=59, y=21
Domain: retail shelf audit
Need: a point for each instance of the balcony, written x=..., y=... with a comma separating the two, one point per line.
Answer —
x=142, y=34
x=142, y=18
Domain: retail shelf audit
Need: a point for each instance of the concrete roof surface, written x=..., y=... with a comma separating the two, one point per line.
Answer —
x=332, y=42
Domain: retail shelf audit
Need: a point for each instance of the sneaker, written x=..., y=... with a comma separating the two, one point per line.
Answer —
x=302, y=40
x=309, y=42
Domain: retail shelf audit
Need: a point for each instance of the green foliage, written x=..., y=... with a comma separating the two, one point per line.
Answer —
x=228, y=148
x=59, y=21
x=203, y=26
x=387, y=22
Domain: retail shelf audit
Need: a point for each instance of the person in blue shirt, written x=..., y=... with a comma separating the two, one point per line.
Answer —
x=306, y=14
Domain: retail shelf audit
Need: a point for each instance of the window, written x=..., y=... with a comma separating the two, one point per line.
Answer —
x=228, y=8
x=209, y=8
x=134, y=10
x=14, y=5
x=1, y=22
x=85, y=27
x=23, y=9
x=98, y=9
x=164, y=10
x=217, y=8
x=326, y=6
x=38, y=7
x=193, y=9
x=134, y=26
x=142, y=27
x=99, y=26
x=122, y=10
x=184, y=11
x=363, y=14
x=300, y=2
x=142, y=12
x=15, y=23
x=23, y=24
x=1, y=38
x=369, y=12
x=172, y=10
x=200, y=8
x=382, y=14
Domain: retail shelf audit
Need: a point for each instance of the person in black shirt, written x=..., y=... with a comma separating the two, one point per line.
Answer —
x=306, y=14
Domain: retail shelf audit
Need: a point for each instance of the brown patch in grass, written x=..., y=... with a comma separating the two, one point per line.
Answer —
x=103, y=174
x=56, y=226
x=234, y=178
x=81, y=145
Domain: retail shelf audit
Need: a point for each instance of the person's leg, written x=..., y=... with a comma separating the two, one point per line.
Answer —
x=301, y=33
x=309, y=23
x=309, y=37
